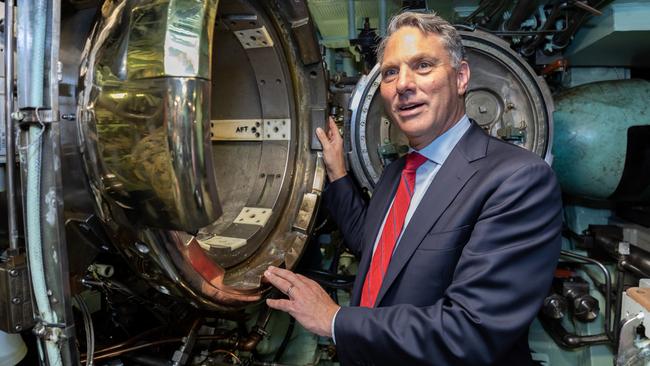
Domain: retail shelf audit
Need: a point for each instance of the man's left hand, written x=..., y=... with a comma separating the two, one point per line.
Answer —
x=308, y=302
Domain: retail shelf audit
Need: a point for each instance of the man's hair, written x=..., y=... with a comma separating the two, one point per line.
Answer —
x=427, y=23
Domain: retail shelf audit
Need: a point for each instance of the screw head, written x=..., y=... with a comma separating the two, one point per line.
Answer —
x=16, y=300
x=141, y=247
x=13, y=273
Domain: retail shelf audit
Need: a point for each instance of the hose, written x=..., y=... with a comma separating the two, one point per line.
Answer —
x=34, y=242
x=38, y=20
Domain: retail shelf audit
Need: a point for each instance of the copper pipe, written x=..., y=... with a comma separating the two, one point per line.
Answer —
x=250, y=342
x=256, y=334
x=131, y=340
x=118, y=352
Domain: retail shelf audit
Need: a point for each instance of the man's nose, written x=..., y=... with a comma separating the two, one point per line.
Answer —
x=405, y=80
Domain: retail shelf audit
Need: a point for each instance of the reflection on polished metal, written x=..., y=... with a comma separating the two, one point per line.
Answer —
x=505, y=98
x=144, y=112
x=264, y=102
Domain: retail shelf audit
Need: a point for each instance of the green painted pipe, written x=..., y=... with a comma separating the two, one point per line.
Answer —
x=591, y=123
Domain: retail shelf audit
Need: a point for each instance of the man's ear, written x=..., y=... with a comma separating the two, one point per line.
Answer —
x=462, y=77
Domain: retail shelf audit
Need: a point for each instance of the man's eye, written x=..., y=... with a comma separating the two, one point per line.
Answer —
x=389, y=74
x=424, y=65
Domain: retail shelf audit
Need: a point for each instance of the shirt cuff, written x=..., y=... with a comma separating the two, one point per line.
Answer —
x=334, y=321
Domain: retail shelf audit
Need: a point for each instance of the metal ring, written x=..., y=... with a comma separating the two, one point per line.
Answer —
x=289, y=290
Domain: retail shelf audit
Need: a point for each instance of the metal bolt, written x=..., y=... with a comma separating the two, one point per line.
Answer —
x=482, y=109
x=39, y=330
x=49, y=292
x=13, y=273
x=141, y=247
x=16, y=300
x=18, y=328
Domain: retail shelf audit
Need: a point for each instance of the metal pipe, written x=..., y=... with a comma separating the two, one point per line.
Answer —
x=183, y=354
x=530, y=47
x=382, y=18
x=521, y=11
x=132, y=340
x=608, y=289
x=37, y=53
x=352, y=26
x=102, y=354
x=9, y=131
x=620, y=282
x=568, y=340
x=256, y=334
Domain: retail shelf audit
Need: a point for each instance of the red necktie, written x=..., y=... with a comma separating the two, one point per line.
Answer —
x=392, y=229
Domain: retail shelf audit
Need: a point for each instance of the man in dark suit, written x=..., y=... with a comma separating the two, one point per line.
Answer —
x=459, y=242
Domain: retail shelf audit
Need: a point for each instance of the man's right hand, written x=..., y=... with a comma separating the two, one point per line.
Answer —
x=332, y=151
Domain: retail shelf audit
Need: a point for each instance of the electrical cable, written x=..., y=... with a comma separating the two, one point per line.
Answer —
x=327, y=279
x=285, y=340
x=88, y=327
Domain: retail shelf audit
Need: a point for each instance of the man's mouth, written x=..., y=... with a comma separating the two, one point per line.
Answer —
x=406, y=108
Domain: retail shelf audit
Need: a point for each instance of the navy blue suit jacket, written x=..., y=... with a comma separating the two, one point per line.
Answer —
x=472, y=267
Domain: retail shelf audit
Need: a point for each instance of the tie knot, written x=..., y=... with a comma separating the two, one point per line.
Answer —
x=413, y=161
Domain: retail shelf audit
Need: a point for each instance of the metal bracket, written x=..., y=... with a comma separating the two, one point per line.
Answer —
x=254, y=38
x=52, y=332
x=277, y=129
x=218, y=241
x=250, y=129
x=254, y=216
x=16, y=313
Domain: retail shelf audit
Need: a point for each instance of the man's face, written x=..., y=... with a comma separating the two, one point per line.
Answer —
x=422, y=92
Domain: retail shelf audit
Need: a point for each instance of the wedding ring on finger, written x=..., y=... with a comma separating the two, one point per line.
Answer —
x=289, y=290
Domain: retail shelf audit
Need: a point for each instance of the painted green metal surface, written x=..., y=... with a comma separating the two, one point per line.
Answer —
x=590, y=137
x=619, y=37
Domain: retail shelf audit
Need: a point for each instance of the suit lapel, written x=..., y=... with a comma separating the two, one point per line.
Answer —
x=448, y=182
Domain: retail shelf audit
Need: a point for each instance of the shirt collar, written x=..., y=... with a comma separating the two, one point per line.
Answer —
x=440, y=148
